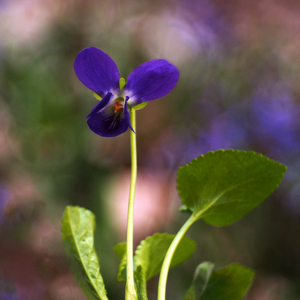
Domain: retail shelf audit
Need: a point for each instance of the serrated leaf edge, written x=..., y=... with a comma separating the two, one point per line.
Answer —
x=210, y=153
x=284, y=168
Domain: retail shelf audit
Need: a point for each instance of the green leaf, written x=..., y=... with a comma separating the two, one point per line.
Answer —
x=122, y=83
x=96, y=96
x=78, y=226
x=151, y=252
x=202, y=278
x=223, y=186
x=139, y=275
x=229, y=283
x=140, y=106
x=141, y=283
x=185, y=209
x=120, y=250
x=190, y=294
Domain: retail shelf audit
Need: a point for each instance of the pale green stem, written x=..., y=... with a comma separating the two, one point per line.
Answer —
x=162, y=284
x=130, y=293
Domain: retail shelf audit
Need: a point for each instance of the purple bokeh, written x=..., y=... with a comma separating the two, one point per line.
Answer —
x=4, y=196
x=275, y=120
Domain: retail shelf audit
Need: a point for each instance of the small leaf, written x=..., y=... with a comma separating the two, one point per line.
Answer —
x=151, y=252
x=202, y=277
x=141, y=283
x=96, y=96
x=140, y=106
x=78, y=225
x=223, y=186
x=122, y=83
x=229, y=283
x=120, y=250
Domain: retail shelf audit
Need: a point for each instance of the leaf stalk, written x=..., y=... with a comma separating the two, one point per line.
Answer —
x=162, y=284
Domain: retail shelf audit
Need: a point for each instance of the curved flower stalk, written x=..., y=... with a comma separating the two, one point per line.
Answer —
x=97, y=71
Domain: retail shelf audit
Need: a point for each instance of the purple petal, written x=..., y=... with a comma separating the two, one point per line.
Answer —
x=107, y=123
x=126, y=112
x=102, y=103
x=97, y=71
x=151, y=80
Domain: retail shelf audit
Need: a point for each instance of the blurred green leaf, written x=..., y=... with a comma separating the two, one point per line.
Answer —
x=120, y=250
x=229, y=283
x=151, y=252
x=141, y=283
x=222, y=186
x=190, y=294
x=78, y=226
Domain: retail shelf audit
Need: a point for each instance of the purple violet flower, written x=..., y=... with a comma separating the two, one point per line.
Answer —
x=97, y=71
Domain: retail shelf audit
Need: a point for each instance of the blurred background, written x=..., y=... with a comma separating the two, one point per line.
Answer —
x=239, y=88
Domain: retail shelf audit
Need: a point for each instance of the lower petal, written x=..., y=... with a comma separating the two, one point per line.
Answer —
x=106, y=123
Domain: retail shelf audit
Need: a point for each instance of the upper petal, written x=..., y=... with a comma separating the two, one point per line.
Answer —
x=151, y=80
x=97, y=71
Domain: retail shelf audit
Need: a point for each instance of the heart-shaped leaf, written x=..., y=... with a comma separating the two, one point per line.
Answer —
x=229, y=283
x=222, y=186
x=78, y=226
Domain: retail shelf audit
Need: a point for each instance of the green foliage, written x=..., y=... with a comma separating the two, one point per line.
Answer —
x=139, y=275
x=229, y=283
x=140, y=106
x=151, y=253
x=96, y=96
x=122, y=83
x=141, y=283
x=222, y=186
x=219, y=187
x=78, y=226
x=120, y=250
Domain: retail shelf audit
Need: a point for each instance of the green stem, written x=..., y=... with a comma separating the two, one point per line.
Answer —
x=130, y=293
x=162, y=284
